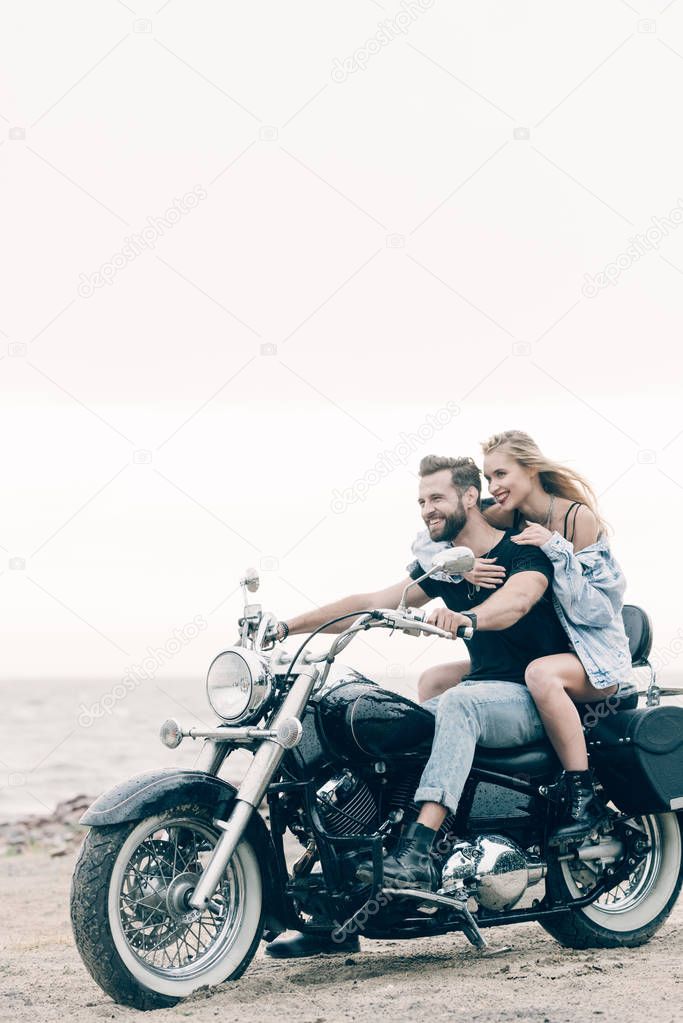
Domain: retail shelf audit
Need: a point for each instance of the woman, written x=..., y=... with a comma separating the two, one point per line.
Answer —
x=552, y=507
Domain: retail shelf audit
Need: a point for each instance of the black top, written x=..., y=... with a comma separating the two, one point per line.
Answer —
x=504, y=654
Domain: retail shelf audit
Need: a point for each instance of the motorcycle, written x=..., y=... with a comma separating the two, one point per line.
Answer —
x=182, y=874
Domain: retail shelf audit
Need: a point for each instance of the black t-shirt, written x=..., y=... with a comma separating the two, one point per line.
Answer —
x=504, y=654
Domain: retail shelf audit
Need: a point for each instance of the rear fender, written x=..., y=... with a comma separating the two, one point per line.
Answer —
x=146, y=795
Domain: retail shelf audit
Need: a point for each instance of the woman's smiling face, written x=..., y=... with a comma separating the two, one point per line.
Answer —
x=509, y=482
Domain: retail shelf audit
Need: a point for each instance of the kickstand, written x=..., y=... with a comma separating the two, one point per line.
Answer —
x=471, y=931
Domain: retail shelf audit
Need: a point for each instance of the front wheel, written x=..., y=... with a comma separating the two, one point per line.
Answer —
x=130, y=918
x=630, y=913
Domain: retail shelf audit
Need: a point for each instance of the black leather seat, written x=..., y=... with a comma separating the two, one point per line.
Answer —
x=534, y=761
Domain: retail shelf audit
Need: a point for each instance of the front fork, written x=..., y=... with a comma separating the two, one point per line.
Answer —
x=212, y=756
x=265, y=763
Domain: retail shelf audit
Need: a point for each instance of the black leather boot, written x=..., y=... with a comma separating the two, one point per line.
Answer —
x=298, y=945
x=410, y=865
x=584, y=811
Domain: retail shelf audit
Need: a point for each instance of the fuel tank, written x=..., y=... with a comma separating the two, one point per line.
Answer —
x=359, y=719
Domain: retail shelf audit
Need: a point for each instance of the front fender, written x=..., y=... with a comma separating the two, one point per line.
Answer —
x=151, y=793
x=154, y=791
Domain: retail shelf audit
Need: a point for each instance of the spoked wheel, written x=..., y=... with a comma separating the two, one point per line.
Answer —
x=631, y=912
x=141, y=941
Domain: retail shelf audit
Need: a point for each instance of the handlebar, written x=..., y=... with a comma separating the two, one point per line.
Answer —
x=412, y=623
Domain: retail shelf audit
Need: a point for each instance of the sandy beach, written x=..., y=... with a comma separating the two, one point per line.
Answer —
x=42, y=977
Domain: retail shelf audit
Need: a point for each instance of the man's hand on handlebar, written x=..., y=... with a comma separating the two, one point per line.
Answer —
x=450, y=621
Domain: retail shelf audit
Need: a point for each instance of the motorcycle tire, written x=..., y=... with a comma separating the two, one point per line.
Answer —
x=629, y=914
x=127, y=909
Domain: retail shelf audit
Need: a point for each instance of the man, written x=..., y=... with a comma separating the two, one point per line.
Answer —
x=513, y=625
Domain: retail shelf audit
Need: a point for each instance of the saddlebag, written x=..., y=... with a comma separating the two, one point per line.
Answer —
x=638, y=758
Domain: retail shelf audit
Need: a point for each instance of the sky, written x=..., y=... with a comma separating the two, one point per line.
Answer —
x=259, y=260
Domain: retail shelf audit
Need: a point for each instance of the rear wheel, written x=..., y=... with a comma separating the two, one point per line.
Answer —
x=133, y=928
x=631, y=912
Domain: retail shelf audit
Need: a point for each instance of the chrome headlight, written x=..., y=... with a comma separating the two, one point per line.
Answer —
x=238, y=685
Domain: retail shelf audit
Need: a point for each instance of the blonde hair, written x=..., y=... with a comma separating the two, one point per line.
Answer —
x=554, y=477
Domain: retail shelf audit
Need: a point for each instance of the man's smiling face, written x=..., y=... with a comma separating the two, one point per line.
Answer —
x=441, y=506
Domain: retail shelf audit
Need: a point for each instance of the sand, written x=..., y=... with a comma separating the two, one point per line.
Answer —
x=42, y=977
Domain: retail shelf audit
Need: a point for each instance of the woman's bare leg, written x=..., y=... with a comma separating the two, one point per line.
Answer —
x=556, y=683
x=435, y=681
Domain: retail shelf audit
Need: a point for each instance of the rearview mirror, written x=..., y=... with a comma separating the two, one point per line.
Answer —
x=453, y=561
x=251, y=580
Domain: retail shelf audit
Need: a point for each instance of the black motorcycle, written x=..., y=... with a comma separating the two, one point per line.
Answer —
x=181, y=876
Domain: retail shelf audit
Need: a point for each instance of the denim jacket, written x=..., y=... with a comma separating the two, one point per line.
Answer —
x=588, y=590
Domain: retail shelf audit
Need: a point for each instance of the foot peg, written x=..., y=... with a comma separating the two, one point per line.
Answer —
x=470, y=926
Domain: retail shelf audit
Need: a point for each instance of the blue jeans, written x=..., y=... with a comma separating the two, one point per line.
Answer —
x=493, y=714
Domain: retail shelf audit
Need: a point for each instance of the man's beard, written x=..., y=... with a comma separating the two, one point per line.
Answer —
x=451, y=525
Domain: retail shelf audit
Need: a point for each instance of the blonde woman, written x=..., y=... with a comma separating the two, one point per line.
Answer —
x=550, y=506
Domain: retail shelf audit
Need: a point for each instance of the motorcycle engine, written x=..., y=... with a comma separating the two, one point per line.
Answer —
x=346, y=805
x=493, y=869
